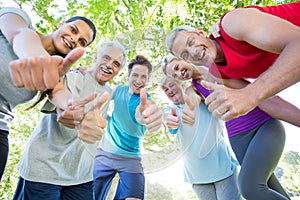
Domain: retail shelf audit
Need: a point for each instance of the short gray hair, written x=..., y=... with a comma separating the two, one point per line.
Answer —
x=166, y=79
x=172, y=35
x=116, y=45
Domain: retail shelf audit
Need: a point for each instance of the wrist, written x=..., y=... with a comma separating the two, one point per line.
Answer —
x=255, y=93
x=139, y=117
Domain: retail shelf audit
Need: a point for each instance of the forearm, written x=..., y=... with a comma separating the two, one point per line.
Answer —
x=282, y=74
x=25, y=41
x=281, y=109
x=194, y=95
x=60, y=99
x=28, y=38
x=60, y=96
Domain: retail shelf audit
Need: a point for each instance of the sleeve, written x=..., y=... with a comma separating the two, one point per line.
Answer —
x=173, y=131
x=17, y=11
x=48, y=107
x=149, y=96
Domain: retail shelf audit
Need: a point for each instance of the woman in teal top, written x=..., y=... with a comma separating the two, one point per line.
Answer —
x=208, y=162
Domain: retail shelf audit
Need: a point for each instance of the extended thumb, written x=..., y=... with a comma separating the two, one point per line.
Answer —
x=189, y=103
x=70, y=59
x=103, y=99
x=174, y=113
x=143, y=100
x=209, y=85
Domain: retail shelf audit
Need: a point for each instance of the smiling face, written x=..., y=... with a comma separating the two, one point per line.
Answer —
x=179, y=69
x=70, y=35
x=173, y=91
x=194, y=48
x=138, y=78
x=109, y=62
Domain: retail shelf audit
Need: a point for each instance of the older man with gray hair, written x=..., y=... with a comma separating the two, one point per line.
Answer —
x=252, y=42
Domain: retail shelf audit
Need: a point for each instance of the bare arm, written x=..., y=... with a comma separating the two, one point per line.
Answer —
x=281, y=109
x=16, y=31
x=268, y=33
x=193, y=95
x=59, y=96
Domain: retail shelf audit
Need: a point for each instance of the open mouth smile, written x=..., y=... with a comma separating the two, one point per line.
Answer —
x=105, y=69
x=184, y=74
x=67, y=43
x=138, y=86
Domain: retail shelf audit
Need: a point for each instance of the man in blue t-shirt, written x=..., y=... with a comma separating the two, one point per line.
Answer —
x=119, y=152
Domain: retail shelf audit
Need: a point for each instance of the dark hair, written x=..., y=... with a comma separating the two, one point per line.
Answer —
x=140, y=60
x=86, y=20
x=89, y=23
x=41, y=97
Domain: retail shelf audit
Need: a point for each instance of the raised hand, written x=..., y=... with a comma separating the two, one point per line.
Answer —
x=148, y=113
x=172, y=119
x=227, y=103
x=188, y=113
x=42, y=72
x=93, y=124
x=74, y=114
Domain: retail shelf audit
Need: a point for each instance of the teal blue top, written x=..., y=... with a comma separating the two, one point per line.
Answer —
x=206, y=155
x=123, y=132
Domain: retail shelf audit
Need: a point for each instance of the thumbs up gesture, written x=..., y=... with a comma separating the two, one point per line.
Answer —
x=188, y=113
x=148, y=113
x=172, y=119
x=42, y=72
x=93, y=125
x=72, y=114
x=228, y=103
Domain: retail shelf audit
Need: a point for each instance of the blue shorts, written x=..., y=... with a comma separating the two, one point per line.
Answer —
x=131, y=184
x=37, y=191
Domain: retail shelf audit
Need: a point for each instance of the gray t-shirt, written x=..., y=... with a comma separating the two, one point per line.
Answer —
x=54, y=154
x=10, y=95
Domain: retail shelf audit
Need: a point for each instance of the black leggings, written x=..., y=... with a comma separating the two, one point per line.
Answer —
x=258, y=152
x=3, y=151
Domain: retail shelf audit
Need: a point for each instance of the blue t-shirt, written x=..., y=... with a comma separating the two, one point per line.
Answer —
x=206, y=155
x=123, y=132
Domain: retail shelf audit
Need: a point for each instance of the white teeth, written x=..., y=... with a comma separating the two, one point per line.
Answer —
x=66, y=41
x=184, y=73
x=138, y=86
x=104, y=68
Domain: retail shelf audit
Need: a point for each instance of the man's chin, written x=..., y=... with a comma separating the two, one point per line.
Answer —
x=137, y=91
x=106, y=77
